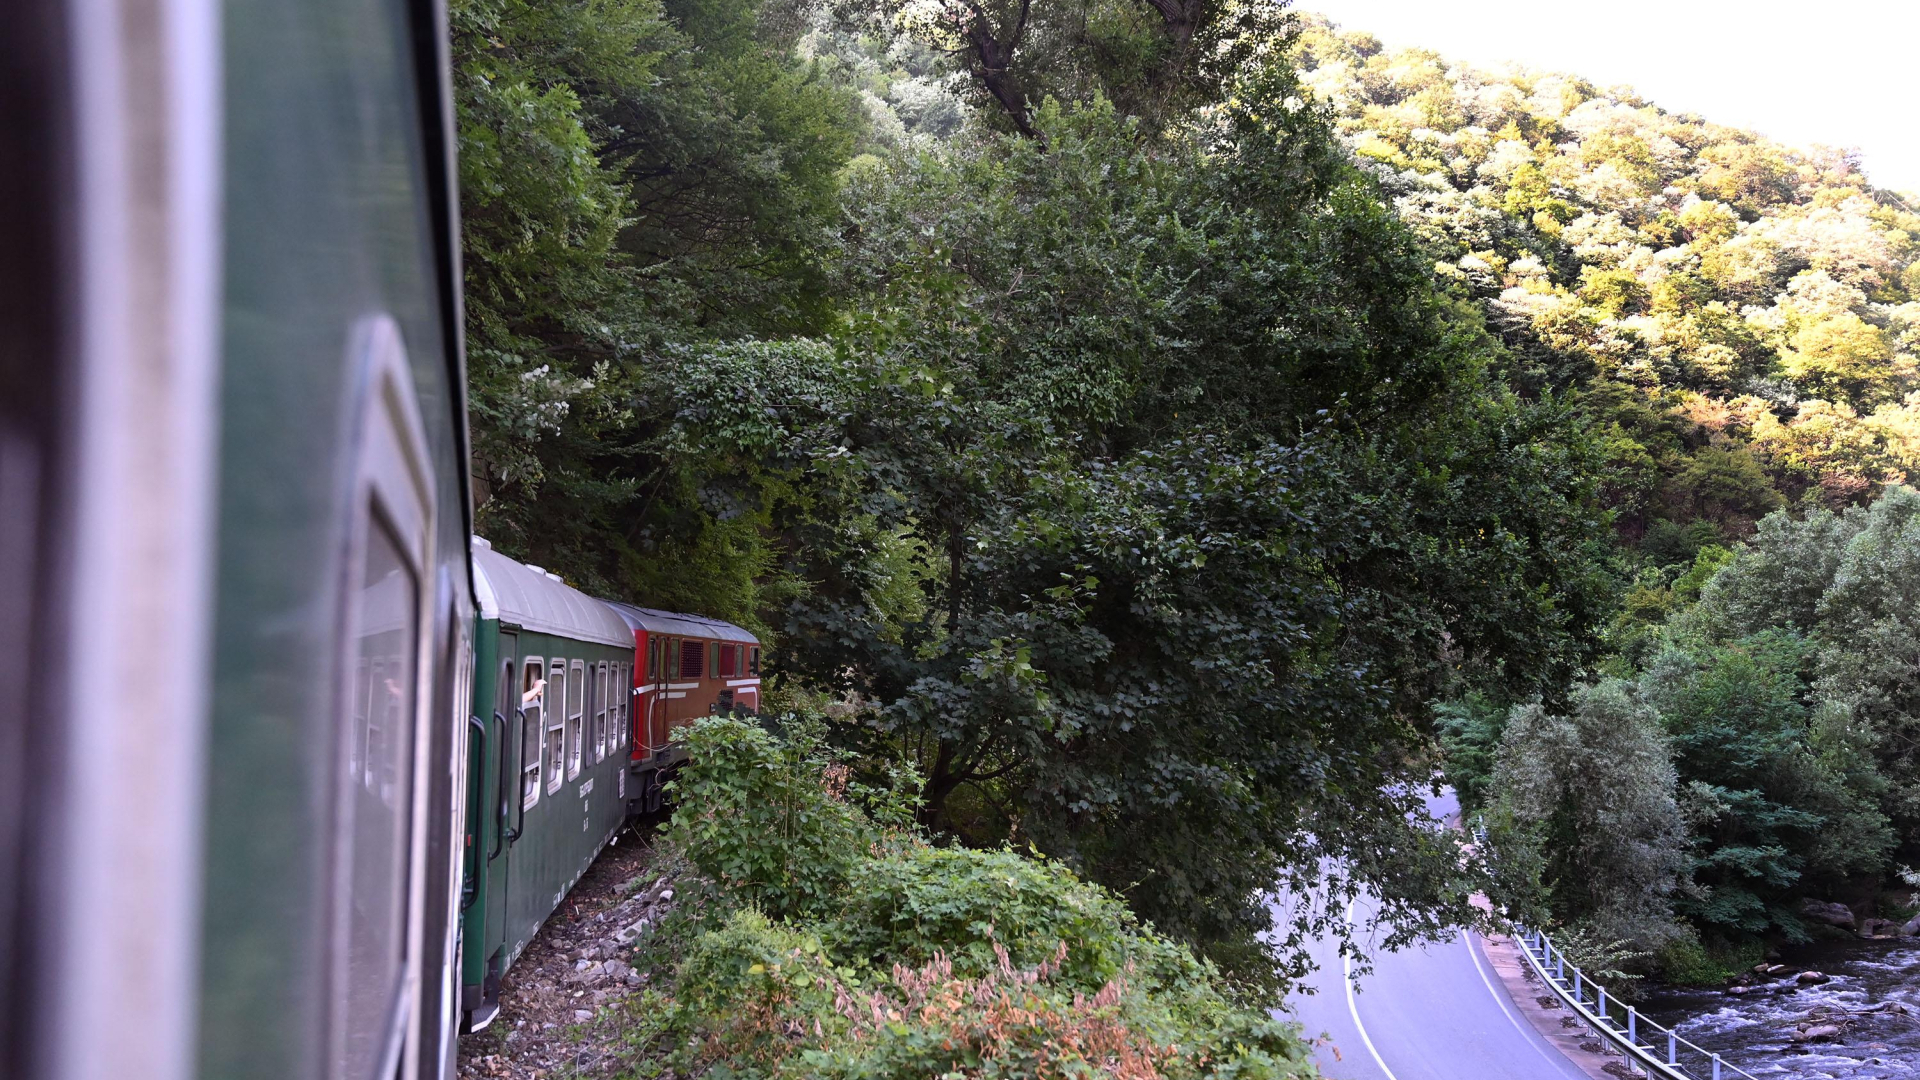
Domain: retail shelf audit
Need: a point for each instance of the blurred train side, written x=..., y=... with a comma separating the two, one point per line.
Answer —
x=233, y=530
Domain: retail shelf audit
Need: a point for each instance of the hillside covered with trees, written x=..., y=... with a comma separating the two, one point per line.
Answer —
x=1742, y=318
x=1738, y=322
x=1148, y=426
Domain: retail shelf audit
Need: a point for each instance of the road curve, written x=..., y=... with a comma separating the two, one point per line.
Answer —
x=1434, y=1011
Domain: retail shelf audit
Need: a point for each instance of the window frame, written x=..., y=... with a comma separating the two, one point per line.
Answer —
x=576, y=717
x=530, y=797
x=600, y=713
x=753, y=662
x=391, y=489
x=556, y=725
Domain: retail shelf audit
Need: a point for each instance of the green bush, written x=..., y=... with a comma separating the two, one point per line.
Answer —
x=1687, y=962
x=757, y=998
x=835, y=947
x=765, y=819
x=970, y=904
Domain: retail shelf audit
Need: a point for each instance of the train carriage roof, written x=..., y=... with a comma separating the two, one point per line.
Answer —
x=655, y=621
x=514, y=592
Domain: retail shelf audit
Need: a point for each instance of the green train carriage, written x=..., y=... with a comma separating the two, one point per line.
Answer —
x=548, y=780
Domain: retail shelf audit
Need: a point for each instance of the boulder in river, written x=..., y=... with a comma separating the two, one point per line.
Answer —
x=1879, y=928
x=1824, y=911
x=1816, y=1032
x=1811, y=978
x=1912, y=927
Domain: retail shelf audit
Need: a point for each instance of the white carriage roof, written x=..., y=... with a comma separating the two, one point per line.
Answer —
x=654, y=621
x=514, y=592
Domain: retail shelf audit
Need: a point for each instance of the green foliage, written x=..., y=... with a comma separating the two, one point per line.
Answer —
x=1778, y=672
x=1737, y=730
x=1741, y=289
x=1688, y=962
x=970, y=905
x=1470, y=734
x=635, y=175
x=756, y=818
x=1204, y=491
x=1584, y=825
x=1116, y=462
x=935, y=962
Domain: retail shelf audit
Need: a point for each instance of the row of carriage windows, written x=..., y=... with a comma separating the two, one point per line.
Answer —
x=576, y=714
x=697, y=659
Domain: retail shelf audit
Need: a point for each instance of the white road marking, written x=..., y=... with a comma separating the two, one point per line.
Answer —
x=1353, y=1009
x=1501, y=1000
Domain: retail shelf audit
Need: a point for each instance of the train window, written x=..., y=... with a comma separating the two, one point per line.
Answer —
x=653, y=660
x=380, y=791
x=576, y=719
x=693, y=659
x=600, y=700
x=533, y=691
x=556, y=724
x=753, y=661
x=374, y=852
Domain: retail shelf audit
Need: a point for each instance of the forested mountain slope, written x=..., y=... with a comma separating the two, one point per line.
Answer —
x=1741, y=316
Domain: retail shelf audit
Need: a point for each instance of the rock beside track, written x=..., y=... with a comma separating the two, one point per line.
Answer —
x=574, y=969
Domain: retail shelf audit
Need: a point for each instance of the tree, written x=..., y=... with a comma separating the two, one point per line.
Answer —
x=1204, y=494
x=1755, y=794
x=1585, y=823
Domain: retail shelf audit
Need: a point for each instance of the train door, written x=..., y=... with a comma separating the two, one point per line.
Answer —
x=536, y=700
x=500, y=798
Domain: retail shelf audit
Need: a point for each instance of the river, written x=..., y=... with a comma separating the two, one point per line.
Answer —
x=1754, y=1031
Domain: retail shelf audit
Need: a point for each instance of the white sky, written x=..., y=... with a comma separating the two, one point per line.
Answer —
x=1842, y=73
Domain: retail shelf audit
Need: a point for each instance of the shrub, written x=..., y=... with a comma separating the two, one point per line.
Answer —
x=765, y=819
x=758, y=998
x=974, y=906
x=843, y=949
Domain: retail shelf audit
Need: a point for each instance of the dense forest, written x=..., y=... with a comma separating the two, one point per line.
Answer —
x=1155, y=436
x=1738, y=323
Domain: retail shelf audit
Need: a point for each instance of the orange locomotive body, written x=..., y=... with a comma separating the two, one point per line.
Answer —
x=684, y=666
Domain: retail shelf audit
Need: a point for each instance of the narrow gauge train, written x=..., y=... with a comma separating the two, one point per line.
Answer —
x=568, y=738
x=250, y=823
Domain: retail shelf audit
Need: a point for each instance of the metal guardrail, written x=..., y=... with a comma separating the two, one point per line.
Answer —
x=1683, y=1059
x=1636, y=1037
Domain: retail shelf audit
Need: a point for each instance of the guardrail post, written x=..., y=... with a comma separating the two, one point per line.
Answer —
x=1560, y=964
x=1632, y=1036
x=1673, y=1052
x=1603, y=1004
x=1716, y=1067
x=1576, y=987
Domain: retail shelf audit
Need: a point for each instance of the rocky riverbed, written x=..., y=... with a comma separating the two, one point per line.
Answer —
x=1861, y=1021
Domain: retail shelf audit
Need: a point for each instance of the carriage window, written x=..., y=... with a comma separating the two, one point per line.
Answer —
x=600, y=701
x=693, y=659
x=379, y=788
x=556, y=723
x=626, y=710
x=533, y=698
x=653, y=660
x=753, y=661
x=576, y=722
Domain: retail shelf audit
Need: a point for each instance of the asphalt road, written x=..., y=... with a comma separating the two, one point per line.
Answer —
x=1429, y=1012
